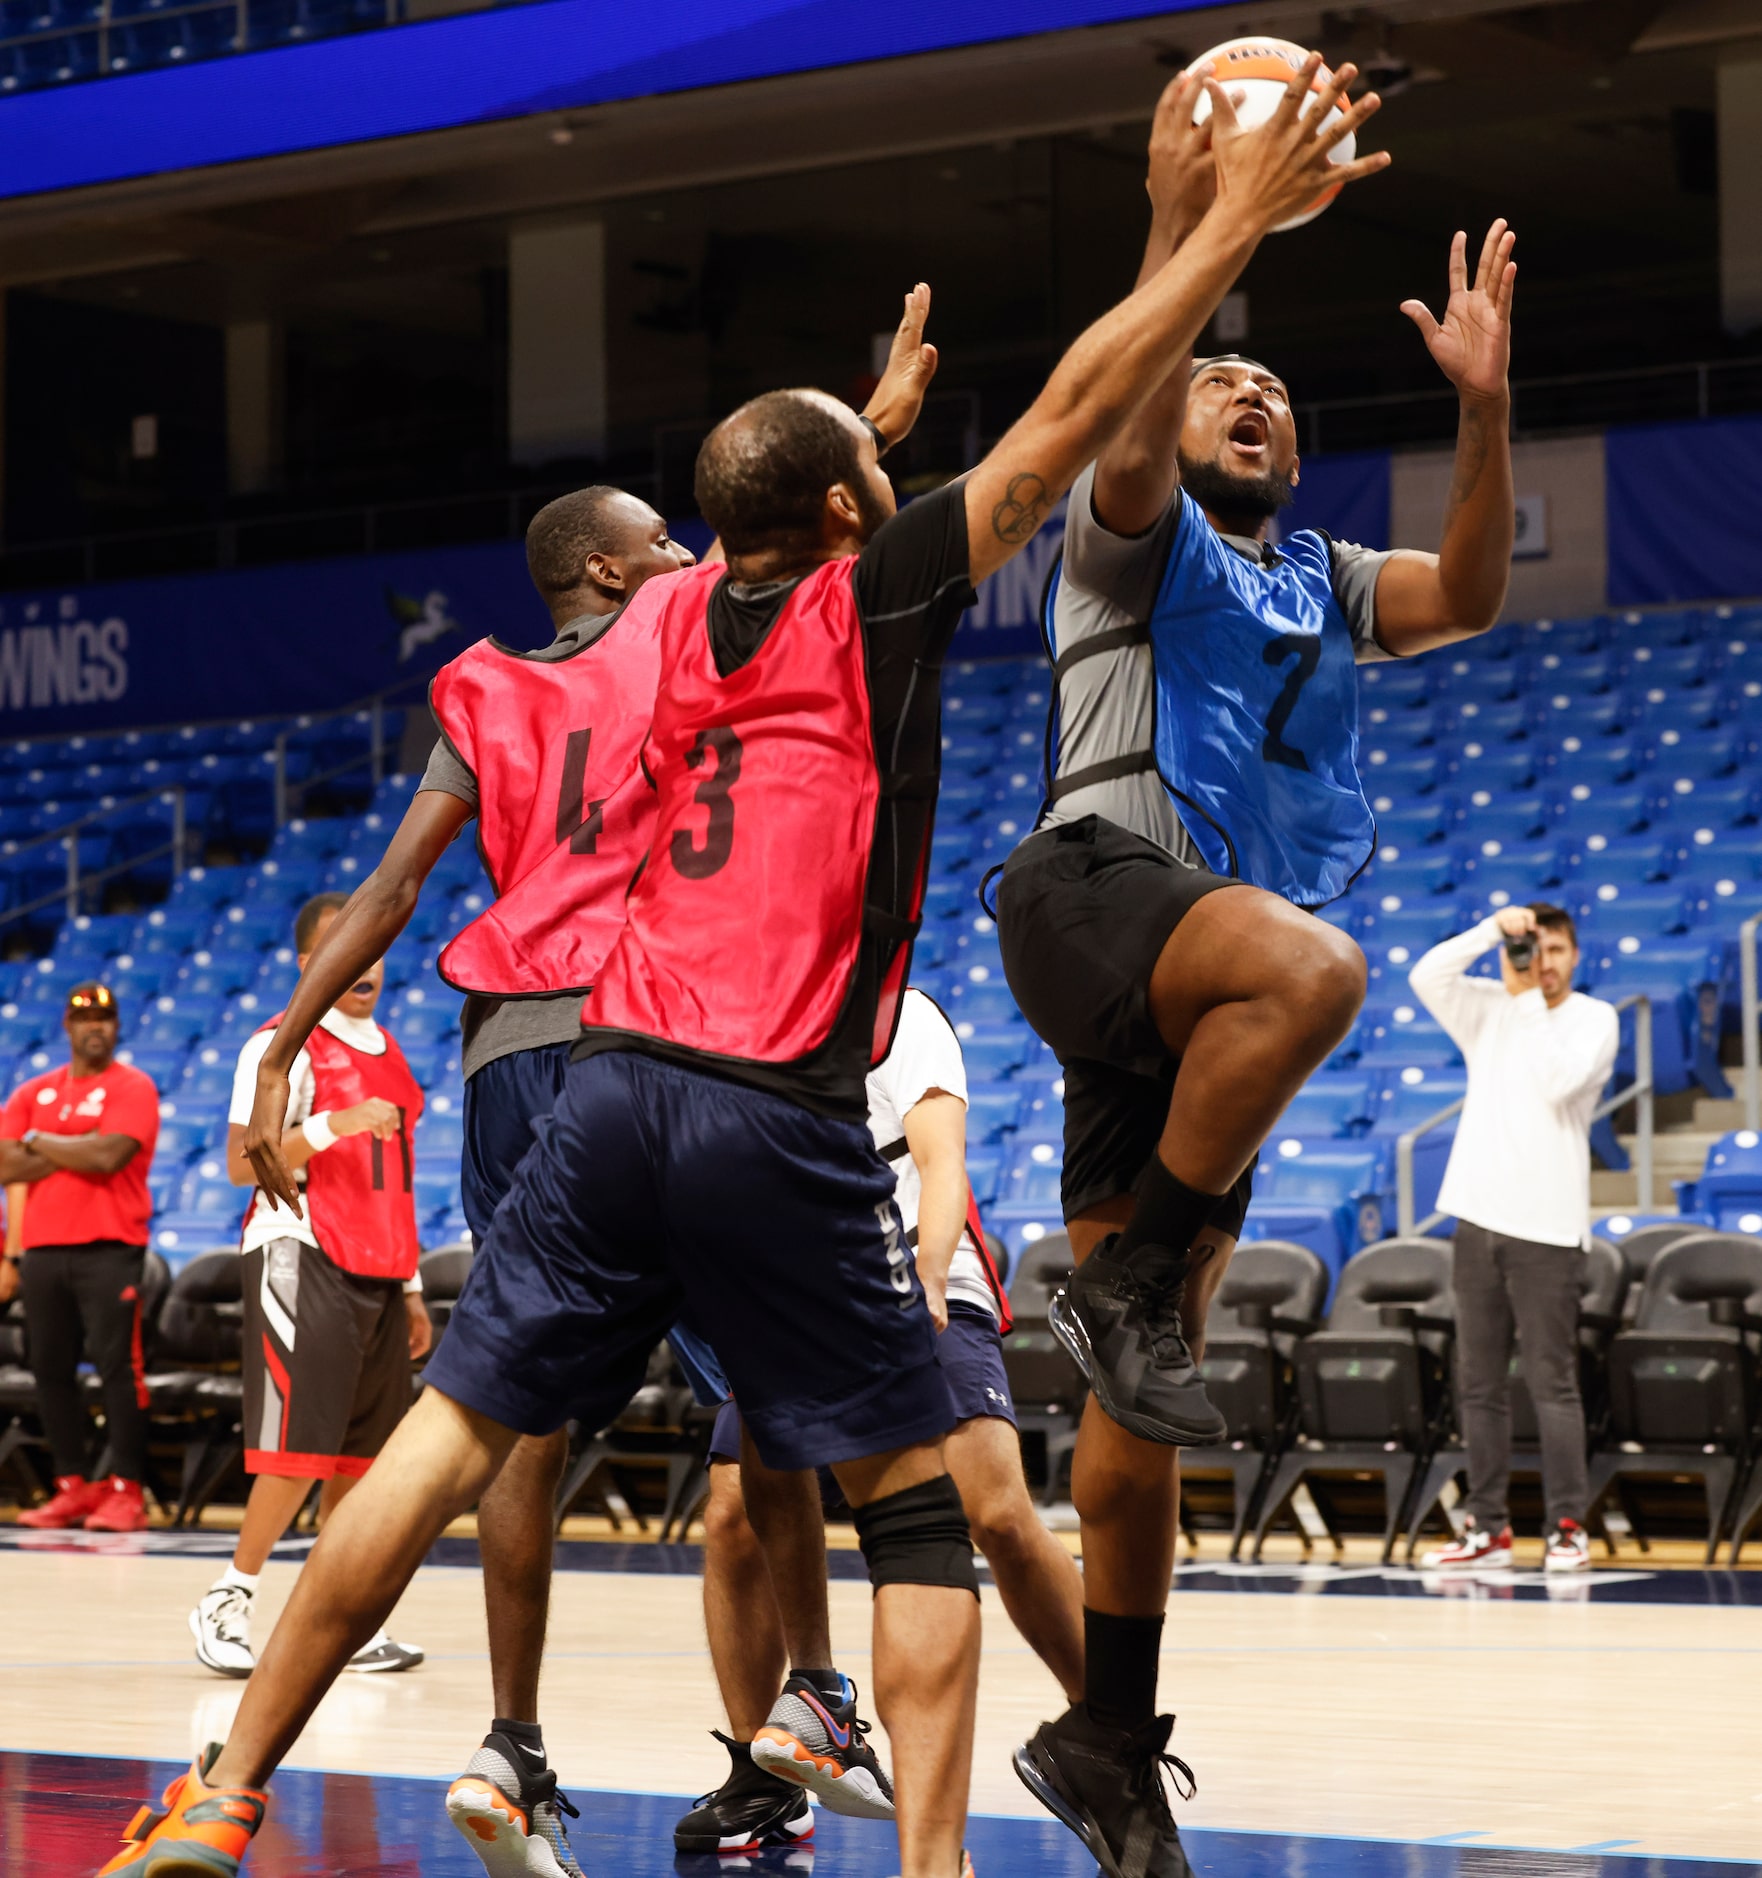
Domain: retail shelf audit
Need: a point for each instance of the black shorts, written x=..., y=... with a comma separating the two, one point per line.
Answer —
x=1084, y=910
x=326, y=1363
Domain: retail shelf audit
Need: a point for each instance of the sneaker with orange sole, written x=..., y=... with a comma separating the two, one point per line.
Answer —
x=72, y=1500
x=204, y=1831
x=121, y=1507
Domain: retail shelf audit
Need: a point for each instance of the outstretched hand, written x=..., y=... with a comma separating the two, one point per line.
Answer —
x=269, y=1110
x=1472, y=343
x=911, y=364
x=1269, y=172
x=1182, y=177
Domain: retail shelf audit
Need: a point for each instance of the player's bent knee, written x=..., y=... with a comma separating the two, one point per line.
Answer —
x=918, y=1536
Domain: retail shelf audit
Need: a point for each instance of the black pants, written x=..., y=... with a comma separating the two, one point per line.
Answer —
x=83, y=1304
x=1508, y=1288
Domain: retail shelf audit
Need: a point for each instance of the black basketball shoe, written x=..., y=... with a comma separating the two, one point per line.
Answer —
x=1120, y=1319
x=1106, y=1784
x=748, y=1812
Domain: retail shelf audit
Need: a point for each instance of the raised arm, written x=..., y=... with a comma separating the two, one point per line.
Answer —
x=363, y=930
x=1426, y=600
x=1263, y=175
x=1136, y=475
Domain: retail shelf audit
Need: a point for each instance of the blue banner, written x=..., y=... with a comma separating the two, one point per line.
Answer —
x=303, y=637
x=1682, y=508
x=506, y=63
x=1347, y=495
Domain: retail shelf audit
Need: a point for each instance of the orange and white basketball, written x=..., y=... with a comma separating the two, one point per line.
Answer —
x=1257, y=73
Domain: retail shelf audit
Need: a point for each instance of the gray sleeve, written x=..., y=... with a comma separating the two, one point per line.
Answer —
x=1356, y=571
x=448, y=775
x=1124, y=569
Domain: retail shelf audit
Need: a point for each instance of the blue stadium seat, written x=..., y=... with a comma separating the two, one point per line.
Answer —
x=1553, y=713
x=988, y=1002
x=1640, y=907
x=1672, y=973
x=1594, y=760
x=165, y=1066
x=1670, y=666
x=1587, y=809
x=1498, y=768
x=1399, y=919
x=1482, y=720
x=1395, y=684
x=1403, y=1035
x=1527, y=870
x=316, y=840
x=1654, y=855
x=992, y=1109
x=984, y=1168
x=1724, y=801
x=217, y=974
x=993, y=1051
x=1483, y=816
x=1403, y=730
x=1415, y=872
x=1729, y=1189
x=1413, y=1096
x=425, y=1015
x=1701, y=755
x=211, y=887
x=1333, y=1103
x=1412, y=824
x=171, y=1025
x=207, y=1075
x=171, y=928
x=135, y=980
x=1334, y=1196
x=1401, y=772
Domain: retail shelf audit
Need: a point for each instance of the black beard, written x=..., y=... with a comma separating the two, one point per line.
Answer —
x=1249, y=499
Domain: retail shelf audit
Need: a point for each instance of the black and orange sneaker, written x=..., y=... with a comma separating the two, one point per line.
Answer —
x=820, y=1745
x=203, y=1832
x=750, y=1812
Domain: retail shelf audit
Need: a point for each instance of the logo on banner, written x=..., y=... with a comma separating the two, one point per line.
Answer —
x=420, y=622
x=66, y=661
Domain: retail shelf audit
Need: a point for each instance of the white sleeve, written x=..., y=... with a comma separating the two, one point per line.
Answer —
x=244, y=1082
x=926, y=1055
x=1441, y=983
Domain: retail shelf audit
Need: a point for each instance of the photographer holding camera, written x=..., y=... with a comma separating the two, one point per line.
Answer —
x=1519, y=1184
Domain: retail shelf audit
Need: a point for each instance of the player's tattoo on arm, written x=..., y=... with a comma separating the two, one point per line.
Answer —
x=1471, y=461
x=1022, y=509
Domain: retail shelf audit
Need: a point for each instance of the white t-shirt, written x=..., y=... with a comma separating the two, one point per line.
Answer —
x=269, y=1219
x=1521, y=1161
x=926, y=1055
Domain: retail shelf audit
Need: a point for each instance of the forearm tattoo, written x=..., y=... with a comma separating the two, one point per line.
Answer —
x=1471, y=461
x=1022, y=509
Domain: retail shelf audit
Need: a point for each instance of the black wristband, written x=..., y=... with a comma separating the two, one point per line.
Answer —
x=882, y=446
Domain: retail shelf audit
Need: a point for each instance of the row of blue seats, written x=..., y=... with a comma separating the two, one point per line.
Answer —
x=246, y=737
x=59, y=57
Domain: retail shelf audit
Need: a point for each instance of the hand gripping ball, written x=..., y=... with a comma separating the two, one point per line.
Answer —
x=1257, y=73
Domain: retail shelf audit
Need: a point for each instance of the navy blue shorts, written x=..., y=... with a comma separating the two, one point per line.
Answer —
x=658, y=1190
x=508, y=1105
x=971, y=1353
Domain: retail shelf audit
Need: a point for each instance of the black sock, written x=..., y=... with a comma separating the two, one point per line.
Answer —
x=827, y=1682
x=1168, y=1212
x=1119, y=1667
x=524, y=1734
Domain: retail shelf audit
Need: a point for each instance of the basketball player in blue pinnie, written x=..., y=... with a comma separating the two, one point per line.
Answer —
x=1203, y=792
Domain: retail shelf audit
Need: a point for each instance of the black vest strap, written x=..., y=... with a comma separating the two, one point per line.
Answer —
x=895, y=1150
x=907, y=787
x=1116, y=639
x=889, y=926
x=1133, y=763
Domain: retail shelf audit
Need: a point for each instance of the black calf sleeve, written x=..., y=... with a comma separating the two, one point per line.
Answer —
x=918, y=1537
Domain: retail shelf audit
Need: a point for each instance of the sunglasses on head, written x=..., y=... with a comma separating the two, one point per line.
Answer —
x=100, y=1002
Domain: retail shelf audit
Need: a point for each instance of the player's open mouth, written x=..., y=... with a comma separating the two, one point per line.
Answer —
x=362, y=988
x=1249, y=433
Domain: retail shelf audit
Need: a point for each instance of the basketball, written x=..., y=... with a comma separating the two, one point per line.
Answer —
x=1256, y=73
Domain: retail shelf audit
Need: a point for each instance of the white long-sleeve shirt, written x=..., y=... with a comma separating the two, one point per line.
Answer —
x=1521, y=1163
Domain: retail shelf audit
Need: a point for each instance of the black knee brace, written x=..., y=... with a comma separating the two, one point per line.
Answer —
x=918, y=1537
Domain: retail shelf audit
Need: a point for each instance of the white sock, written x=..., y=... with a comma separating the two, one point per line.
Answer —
x=232, y=1577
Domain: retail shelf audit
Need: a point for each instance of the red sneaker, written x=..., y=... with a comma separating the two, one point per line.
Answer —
x=74, y=1498
x=1477, y=1550
x=121, y=1507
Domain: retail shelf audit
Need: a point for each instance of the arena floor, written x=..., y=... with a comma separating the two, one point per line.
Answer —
x=1340, y=1720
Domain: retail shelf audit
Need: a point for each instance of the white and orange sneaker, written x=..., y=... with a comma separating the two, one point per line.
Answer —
x=1569, y=1548
x=1474, y=1549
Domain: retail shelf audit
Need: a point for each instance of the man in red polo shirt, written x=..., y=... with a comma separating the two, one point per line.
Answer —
x=81, y=1139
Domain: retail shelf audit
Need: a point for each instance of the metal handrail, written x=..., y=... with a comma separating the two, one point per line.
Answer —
x=68, y=836
x=1751, y=1021
x=374, y=704
x=1639, y=1091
